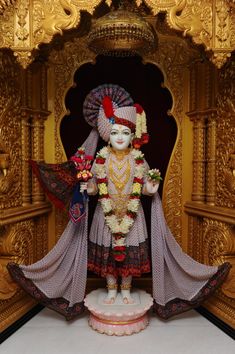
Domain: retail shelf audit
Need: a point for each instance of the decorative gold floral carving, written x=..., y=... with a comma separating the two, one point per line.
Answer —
x=7, y=286
x=195, y=248
x=223, y=307
x=23, y=57
x=228, y=288
x=160, y=5
x=4, y=4
x=212, y=242
x=56, y=16
x=41, y=232
x=199, y=127
x=14, y=308
x=225, y=138
x=219, y=246
x=10, y=131
x=218, y=241
x=172, y=57
x=222, y=12
x=210, y=159
x=26, y=155
x=37, y=124
x=209, y=23
x=22, y=8
x=24, y=243
x=187, y=21
x=16, y=244
x=229, y=177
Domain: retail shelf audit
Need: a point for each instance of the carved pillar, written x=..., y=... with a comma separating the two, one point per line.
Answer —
x=37, y=152
x=26, y=155
x=43, y=85
x=198, y=194
x=210, y=160
x=37, y=84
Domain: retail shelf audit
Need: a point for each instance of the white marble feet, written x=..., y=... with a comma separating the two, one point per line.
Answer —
x=111, y=297
x=118, y=318
x=126, y=297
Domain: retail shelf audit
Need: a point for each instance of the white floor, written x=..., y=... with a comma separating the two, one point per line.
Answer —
x=49, y=333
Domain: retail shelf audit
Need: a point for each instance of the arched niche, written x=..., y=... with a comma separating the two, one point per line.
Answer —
x=72, y=72
x=144, y=81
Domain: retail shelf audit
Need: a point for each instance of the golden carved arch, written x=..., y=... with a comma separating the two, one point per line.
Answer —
x=24, y=24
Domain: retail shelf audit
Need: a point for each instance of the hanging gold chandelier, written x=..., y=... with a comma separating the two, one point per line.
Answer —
x=122, y=33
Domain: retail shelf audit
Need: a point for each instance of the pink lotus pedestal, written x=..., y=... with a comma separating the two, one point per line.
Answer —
x=118, y=319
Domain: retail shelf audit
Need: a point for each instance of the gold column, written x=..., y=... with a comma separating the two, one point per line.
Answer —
x=210, y=160
x=198, y=193
x=37, y=152
x=26, y=155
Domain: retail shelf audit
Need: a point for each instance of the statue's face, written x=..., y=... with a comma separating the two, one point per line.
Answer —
x=120, y=137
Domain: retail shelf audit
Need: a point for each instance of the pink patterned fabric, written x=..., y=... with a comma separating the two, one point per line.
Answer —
x=91, y=142
x=62, y=272
x=105, y=126
x=175, y=274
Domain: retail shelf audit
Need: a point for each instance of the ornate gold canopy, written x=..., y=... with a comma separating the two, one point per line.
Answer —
x=122, y=32
x=25, y=24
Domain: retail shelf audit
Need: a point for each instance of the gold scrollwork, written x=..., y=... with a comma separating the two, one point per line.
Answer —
x=212, y=26
x=225, y=139
x=218, y=247
x=5, y=4
x=9, y=133
x=53, y=17
x=7, y=286
x=228, y=288
x=217, y=241
x=22, y=9
x=187, y=21
x=4, y=164
x=16, y=244
x=171, y=57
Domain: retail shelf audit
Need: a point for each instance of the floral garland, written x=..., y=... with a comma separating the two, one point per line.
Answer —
x=119, y=229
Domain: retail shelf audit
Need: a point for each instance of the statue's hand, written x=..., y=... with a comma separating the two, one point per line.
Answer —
x=83, y=186
x=152, y=186
x=91, y=187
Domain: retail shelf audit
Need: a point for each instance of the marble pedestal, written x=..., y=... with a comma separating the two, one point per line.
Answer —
x=118, y=319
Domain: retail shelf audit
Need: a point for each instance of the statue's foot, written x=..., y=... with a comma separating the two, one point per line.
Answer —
x=111, y=297
x=126, y=297
x=109, y=300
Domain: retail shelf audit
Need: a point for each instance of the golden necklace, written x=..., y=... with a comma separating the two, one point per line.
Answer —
x=119, y=154
x=119, y=179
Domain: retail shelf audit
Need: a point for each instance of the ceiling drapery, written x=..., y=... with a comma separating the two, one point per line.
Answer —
x=25, y=24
